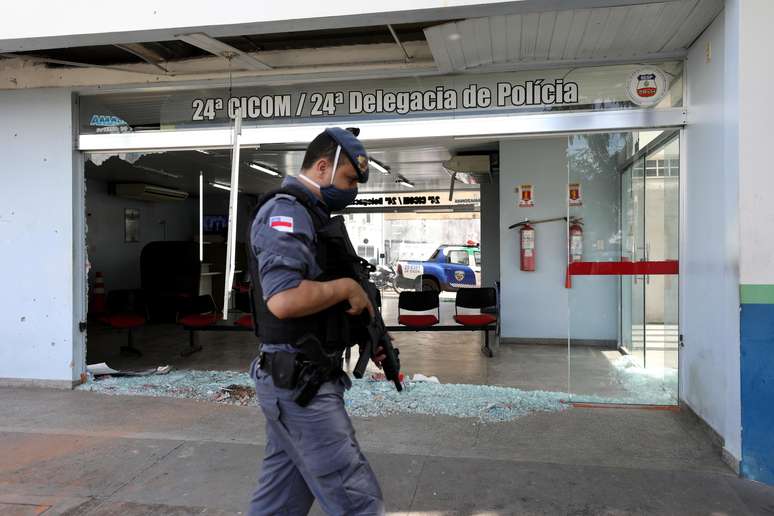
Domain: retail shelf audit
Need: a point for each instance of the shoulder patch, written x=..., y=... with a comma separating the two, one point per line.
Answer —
x=281, y=223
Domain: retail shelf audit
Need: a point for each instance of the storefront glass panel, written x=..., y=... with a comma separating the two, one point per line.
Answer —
x=622, y=281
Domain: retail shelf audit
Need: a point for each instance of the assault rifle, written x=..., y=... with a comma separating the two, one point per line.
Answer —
x=375, y=337
x=369, y=332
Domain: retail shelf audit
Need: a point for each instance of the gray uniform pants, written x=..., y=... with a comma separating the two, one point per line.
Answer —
x=311, y=452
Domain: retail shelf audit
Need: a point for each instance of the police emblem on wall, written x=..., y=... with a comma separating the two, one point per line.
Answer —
x=526, y=195
x=647, y=86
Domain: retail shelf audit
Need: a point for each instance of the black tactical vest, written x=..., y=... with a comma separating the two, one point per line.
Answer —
x=331, y=326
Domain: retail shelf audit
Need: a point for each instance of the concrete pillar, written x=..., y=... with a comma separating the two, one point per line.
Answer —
x=755, y=76
x=41, y=262
x=490, y=233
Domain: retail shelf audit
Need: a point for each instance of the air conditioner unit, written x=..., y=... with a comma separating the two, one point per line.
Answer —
x=471, y=169
x=144, y=192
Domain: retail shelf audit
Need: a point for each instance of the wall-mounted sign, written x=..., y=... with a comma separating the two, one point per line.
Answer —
x=526, y=195
x=574, y=195
x=647, y=86
x=540, y=92
x=347, y=101
x=131, y=225
x=419, y=200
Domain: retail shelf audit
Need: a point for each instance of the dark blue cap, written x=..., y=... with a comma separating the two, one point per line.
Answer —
x=353, y=148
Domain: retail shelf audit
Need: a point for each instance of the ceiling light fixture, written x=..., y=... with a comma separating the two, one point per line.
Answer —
x=222, y=186
x=404, y=182
x=159, y=172
x=384, y=169
x=264, y=169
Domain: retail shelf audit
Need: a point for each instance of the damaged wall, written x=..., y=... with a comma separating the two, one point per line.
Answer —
x=37, y=305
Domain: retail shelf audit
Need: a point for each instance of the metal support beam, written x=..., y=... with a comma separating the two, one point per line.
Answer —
x=216, y=47
x=397, y=40
x=144, y=53
x=36, y=59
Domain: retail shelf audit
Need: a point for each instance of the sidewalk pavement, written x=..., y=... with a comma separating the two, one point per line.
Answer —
x=80, y=453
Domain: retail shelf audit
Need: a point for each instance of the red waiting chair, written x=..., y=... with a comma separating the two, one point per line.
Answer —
x=199, y=312
x=126, y=310
x=483, y=299
x=419, y=302
x=246, y=321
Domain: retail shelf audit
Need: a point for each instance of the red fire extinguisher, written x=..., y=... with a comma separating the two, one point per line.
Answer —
x=527, y=247
x=575, y=248
x=575, y=239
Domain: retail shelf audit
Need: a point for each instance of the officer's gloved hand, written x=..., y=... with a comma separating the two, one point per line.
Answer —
x=357, y=298
x=379, y=357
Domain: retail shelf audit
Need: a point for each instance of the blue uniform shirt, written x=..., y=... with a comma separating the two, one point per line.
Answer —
x=283, y=239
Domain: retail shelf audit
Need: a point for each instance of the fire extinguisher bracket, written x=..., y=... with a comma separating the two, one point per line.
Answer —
x=527, y=243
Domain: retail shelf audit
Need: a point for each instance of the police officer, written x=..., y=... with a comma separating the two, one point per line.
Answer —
x=311, y=451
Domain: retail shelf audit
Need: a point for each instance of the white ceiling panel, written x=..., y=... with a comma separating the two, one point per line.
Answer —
x=580, y=20
x=513, y=37
x=628, y=32
x=644, y=29
x=484, y=43
x=453, y=40
x=437, y=42
x=498, y=36
x=529, y=32
x=698, y=20
x=594, y=30
x=545, y=35
x=611, y=29
x=559, y=37
x=672, y=18
x=467, y=30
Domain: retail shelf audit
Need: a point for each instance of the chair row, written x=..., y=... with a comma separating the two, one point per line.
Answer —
x=483, y=299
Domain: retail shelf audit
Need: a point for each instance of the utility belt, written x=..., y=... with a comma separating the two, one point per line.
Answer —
x=307, y=371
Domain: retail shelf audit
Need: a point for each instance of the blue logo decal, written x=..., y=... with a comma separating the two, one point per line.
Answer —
x=106, y=121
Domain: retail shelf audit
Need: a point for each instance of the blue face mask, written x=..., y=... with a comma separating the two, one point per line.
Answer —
x=336, y=199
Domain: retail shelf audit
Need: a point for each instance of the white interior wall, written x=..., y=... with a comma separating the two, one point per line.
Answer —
x=118, y=260
x=38, y=312
x=709, y=375
x=536, y=304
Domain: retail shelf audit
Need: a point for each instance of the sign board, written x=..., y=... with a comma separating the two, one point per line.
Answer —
x=418, y=200
x=574, y=194
x=647, y=86
x=526, y=194
x=346, y=102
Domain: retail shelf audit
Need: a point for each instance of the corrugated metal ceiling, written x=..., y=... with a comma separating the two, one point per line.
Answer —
x=575, y=35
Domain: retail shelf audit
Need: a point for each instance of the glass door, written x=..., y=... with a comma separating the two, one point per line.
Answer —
x=623, y=294
x=633, y=247
x=661, y=238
